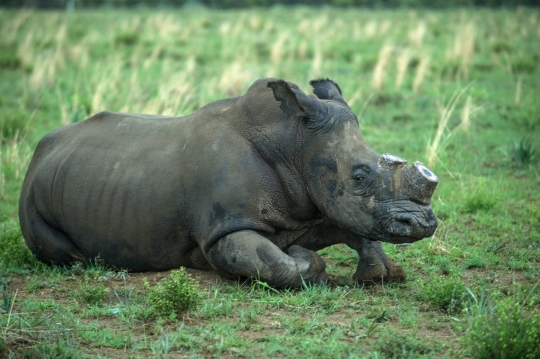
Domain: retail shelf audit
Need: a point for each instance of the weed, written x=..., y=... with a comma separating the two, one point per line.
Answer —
x=63, y=346
x=7, y=298
x=9, y=59
x=13, y=250
x=524, y=63
x=522, y=154
x=13, y=122
x=443, y=293
x=124, y=294
x=522, y=116
x=482, y=198
x=394, y=344
x=126, y=38
x=499, y=46
x=90, y=292
x=166, y=342
x=175, y=295
x=508, y=329
x=216, y=305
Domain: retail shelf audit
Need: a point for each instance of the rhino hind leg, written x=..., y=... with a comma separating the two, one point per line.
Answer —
x=49, y=244
x=248, y=254
x=375, y=266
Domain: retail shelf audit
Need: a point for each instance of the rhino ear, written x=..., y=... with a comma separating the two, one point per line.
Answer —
x=326, y=89
x=293, y=102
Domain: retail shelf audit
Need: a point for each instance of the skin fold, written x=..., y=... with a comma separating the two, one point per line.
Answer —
x=249, y=187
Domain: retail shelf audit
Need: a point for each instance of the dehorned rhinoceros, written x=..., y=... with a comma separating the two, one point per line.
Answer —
x=248, y=186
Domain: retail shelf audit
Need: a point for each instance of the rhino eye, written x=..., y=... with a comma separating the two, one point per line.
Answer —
x=359, y=175
x=358, y=178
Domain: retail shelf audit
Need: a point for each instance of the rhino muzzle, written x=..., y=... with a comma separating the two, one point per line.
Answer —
x=412, y=216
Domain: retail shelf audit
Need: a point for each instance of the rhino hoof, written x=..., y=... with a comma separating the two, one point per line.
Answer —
x=319, y=278
x=379, y=274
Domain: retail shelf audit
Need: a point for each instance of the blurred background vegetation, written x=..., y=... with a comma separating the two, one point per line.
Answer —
x=70, y=4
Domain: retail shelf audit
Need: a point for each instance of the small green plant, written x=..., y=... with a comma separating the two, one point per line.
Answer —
x=126, y=38
x=175, y=295
x=93, y=293
x=393, y=344
x=7, y=298
x=13, y=251
x=522, y=154
x=9, y=59
x=444, y=293
x=507, y=329
x=481, y=198
x=13, y=123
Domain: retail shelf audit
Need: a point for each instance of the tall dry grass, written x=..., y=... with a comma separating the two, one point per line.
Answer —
x=438, y=143
x=462, y=50
x=421, y=72
x=381, y=67
x=402, y=63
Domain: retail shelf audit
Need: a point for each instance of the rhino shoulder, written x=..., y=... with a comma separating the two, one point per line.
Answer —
x=101, y=116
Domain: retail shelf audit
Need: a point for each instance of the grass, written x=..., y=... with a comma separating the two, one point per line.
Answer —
x=453, y=89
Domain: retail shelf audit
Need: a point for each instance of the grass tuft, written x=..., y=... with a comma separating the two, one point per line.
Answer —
x=522, y=153
x=91, y=292
x=443, y=293
x=482, y=198
x=507, y=329
x=14, y=254
x=394, y=344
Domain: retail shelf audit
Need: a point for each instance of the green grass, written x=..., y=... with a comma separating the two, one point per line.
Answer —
x=465, y=104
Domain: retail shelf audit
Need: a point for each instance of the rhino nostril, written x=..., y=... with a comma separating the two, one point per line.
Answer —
x=405, y=218
x=401, y=225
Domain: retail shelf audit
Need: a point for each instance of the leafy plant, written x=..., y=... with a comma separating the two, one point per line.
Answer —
x=175, y=295
x=444, y=293
x=508, y=329
x=522, y=153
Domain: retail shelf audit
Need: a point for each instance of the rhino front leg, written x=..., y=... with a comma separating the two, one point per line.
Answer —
x=248, y=254
x=375, y=266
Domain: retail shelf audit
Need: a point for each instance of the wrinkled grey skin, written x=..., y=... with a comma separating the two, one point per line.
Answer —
x=248, y=186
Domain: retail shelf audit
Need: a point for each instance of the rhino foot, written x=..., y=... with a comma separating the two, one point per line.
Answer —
x=375, y=266
x=310, y=265
x=248, y=254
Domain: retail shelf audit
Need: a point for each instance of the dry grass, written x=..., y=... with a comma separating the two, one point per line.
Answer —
x=421, y=72
x=402, y=63
x=417, y=34
x=15, y=155
x=517, y=97
x=438, y=143
x=381, y=68
x=463, y=48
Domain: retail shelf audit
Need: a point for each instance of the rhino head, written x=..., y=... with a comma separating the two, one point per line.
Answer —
x=377, y=197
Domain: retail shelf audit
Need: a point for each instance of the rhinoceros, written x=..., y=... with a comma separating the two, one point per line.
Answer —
x=249, y=187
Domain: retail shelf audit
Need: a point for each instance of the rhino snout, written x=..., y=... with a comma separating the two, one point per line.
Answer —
x=413, y=225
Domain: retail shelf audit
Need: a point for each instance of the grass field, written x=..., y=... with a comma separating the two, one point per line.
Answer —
x=457, y=90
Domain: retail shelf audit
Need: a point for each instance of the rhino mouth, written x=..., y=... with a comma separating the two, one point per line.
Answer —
x=408, y=226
